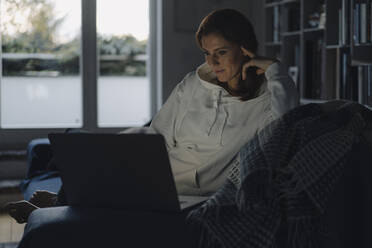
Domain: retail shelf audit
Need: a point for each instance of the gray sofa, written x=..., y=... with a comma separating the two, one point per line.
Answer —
x=348, y=216
x=90, y=227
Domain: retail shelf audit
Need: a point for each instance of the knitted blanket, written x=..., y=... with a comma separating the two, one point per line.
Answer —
x=286, y=175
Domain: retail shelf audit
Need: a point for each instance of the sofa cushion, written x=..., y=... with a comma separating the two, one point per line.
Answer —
x=102, y=227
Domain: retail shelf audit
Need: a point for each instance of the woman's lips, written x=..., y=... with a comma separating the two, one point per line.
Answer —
x=219, y=71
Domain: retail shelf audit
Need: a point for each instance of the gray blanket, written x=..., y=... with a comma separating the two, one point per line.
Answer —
x=286, y=175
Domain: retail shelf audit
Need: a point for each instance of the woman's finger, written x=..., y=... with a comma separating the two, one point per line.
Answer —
x=259, y=71
x=244, y=70
x=14, y=213
x=247, y=52
x=8, y=207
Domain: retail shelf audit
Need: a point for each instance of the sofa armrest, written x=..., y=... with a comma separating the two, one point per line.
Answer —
x=101, y=227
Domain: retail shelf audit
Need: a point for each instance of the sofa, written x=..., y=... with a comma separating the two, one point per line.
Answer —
x=348, y=216
x=67, y=226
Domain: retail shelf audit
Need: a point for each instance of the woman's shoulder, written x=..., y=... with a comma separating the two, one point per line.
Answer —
x=188, y=83
x=190, y=77
x=202, y=75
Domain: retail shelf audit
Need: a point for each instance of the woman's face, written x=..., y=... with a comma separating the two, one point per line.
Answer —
x=224, y=57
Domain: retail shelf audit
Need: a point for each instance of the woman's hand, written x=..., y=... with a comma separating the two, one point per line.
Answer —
x=20, y=210
x=258, y=61
x=43, y=199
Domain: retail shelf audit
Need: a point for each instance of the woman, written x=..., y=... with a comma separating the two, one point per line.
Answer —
x=218, y=108
x=215, y=110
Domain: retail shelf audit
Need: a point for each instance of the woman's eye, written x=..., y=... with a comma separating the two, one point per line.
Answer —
x=223, y=52
x=206, y=53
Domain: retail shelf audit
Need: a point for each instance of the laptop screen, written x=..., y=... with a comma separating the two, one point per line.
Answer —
x=130, y=171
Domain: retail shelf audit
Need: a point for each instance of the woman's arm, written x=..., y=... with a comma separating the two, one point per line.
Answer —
x=165, y=120
x=284, y=95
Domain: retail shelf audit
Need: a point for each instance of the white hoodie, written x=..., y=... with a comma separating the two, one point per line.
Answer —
x=205, y=127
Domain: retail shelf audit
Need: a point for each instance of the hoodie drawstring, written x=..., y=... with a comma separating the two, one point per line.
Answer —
x=216, y=106
x=218, y=109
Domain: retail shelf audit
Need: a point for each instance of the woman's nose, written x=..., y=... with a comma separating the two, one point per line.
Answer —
x=212, y=60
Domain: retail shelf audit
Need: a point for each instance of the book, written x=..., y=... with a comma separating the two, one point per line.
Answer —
x=297, y=55
x=294, y=18
x=318, y=67
x=356, y=24
x=348, y=78
x=344, y=76
x=276, y=24
x=361, y=89
x=363, y=22
x=314, y=52
x=369, y=21
x=366, y=80
x=344, y=22
x=363, y=81
x=338, y=74
x=340, y=27
x=353, y=83
x=309, y=73
x=369, y=85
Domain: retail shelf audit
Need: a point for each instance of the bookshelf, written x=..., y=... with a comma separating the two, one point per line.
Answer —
x=326, y=44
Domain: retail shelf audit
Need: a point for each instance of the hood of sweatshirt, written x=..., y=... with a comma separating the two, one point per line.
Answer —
x=207, y=76
x=208, y=79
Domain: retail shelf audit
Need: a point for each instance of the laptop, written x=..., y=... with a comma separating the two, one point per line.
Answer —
x=126, y=171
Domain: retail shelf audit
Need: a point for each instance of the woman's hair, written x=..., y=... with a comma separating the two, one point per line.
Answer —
x=234, y=27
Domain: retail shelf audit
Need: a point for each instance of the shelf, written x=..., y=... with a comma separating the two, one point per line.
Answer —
x=273, y=44
x=289, y=1
x=361, y=54
x=292, y=33
x=307, y=100
x=355, y=62
x=337, y=46
x=332, y=46
x=330, y=65
x=273, y=4
x=313, y=30
x=270, y=5
x=367, y=45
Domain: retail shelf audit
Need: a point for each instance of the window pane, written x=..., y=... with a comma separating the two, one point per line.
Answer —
x=123, y=85
x=40, y=83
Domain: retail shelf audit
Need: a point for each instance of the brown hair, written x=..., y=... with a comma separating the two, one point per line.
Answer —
x=234, y=27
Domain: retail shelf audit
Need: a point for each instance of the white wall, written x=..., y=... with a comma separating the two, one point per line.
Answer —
x=180, y=22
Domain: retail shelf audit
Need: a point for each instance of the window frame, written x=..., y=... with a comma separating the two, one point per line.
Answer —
x=19, y=138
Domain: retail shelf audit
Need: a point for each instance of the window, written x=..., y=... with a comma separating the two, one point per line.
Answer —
x=40, y=84
x=69, y=63
x=123, y=83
